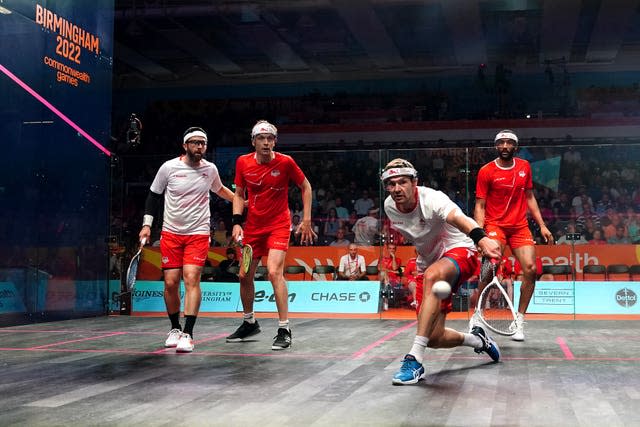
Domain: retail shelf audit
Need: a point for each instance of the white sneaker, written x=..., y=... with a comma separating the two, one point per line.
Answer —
x=172, y=339
x=518, y=325
x=474, y=321
x=185, y=344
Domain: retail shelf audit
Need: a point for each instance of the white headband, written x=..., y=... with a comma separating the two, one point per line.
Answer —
x=390, y=173
x=264, y=127
x=194, y=133
x=506, y=135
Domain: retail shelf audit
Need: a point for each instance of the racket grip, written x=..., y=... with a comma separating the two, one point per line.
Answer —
x=143, y=241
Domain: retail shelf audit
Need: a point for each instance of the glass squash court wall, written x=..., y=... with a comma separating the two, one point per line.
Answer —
x=54, y=181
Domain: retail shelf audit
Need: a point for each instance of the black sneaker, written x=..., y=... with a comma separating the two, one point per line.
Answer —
x=282, y=340
x=245, y=331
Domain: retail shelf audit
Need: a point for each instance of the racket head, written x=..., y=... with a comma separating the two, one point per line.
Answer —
x=132, y=272
x=496, y=310
x=247, y=257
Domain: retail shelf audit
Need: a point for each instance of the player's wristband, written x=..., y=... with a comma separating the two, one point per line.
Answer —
x=236, y=219
x=477, y=234
x=147, y=220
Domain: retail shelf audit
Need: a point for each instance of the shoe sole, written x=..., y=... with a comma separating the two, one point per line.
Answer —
x=243, y=339
x=183, y=350
x=397, y=381
x=170, y=345
x=276, y=348
x=519, y=339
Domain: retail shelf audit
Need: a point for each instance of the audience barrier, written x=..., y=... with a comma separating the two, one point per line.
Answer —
x=308, y=257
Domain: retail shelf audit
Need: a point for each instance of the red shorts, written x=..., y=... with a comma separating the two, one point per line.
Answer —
x=178, y=250
x=466, y=262
x=515, y=237
x=263, y=240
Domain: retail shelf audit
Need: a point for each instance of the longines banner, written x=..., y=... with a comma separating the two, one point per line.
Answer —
x=304, y=297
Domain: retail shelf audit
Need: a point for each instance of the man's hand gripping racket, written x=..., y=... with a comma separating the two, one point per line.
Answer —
x=495, y=308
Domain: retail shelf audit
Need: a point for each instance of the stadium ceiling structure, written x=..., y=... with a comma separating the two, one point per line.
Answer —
x=177, y=43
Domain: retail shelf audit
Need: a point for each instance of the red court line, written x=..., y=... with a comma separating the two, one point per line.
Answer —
x=76, y=331
x=78, y=340
x=387, y=337
x=565, y=348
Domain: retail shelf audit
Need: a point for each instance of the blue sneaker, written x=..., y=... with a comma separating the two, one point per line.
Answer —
x=489, y=346
x=410, y=372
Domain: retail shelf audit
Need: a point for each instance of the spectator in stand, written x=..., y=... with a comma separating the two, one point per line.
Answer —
x=633, y=225
x=413, y=277
x=620, y=237
x=566, y=240
x=341, y=211
x=350, y=224
x=562, y=208
x=296, y=210
x=598, y=238
x=220, y=236
x=581, y=199
x=226, y=267
x=604, y=204
x=364, y=204
x=340, y=239
x=331, y=225
x=352, y=265
x=589, y=229
x=366, y=228
x=391, y=267
x=294, y=239
x=586, y=215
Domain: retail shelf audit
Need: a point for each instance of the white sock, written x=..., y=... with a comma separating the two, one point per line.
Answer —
x=249, y=317
x=419, y=345
x=283, y=324
x=471, y=340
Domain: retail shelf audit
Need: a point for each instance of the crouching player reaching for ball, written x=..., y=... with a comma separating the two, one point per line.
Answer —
x=445, y=240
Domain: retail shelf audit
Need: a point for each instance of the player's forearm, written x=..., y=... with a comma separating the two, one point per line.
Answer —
x=305, y=189
x=478, y=212
x=226, y=194
x=238, y=201
x=534, y=209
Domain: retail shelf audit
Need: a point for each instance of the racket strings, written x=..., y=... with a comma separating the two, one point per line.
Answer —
x=497, y=310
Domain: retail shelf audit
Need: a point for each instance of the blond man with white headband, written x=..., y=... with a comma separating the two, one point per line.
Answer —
x=262, y=178
x=185, y=182
x=504, y=193
x=445, y=241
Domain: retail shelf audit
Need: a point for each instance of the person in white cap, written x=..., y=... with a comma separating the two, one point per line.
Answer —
x=504, y=193
x=262, y=178
x=185, y=182
x=445, y=240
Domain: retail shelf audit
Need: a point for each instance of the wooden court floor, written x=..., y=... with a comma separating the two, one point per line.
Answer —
x=112, y=371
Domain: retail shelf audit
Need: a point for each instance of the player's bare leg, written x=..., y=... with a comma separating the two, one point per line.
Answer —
x=172, y=302
x=249, y=326
x=526, y=255
x=275, y=267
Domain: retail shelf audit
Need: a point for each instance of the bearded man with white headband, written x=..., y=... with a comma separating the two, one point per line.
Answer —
x=185, y=182
x=445, y=240
x=504, y=193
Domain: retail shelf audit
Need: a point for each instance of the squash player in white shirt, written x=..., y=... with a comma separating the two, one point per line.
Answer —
x=445, y=240
x=185, y=182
